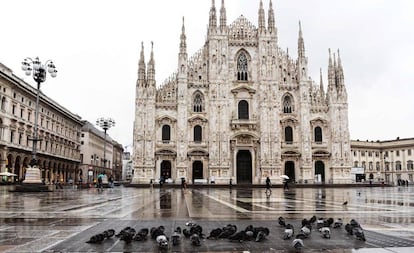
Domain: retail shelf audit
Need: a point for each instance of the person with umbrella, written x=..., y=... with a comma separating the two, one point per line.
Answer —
x=100, y=185
x=285, y=182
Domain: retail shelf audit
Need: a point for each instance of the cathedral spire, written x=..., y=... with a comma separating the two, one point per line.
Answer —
x=271, y=19
x=331, y=72
x=261, y=17
x=151, y=68
x=223, y=18
x=183, y=43
x=321, y=83
x=340, y=70
x=301, y=44
x=213, y=17
x=141, y=67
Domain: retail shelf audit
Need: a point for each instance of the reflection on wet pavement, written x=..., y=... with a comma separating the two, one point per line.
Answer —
x=35, y=222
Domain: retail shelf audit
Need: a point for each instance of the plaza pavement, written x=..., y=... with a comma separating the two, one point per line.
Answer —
x=63, y=220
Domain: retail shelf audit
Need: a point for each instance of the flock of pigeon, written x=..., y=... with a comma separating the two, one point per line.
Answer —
x=194, y=233
x=322, y=225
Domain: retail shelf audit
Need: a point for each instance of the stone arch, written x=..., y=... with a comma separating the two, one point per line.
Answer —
x=243, y=60
x=288, y=103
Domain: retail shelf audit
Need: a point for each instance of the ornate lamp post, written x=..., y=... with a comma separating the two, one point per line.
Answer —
x=38, y=70
x=105, y=124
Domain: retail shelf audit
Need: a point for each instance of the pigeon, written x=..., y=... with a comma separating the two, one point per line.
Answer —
x=141, y=235
x=176, y=236
x=289, y=232
x=162, y=241
x=320, y=223
x=297, y=244
x=326, y=232
x=354, y=223
x=197, y=229
x=195, y=240
x=338, y=223
x=261, y=236
x=127, y=234
x=312, y=219
x=249, y=235
x=349, y=229
x=228, y=231
x=186, y=233
x=329, y=221
x=98, y=238
x=359, y=233
x=256, y=231
x=239, y=236
x=155, y=232
x=214, y=234
x=345, y=203
x=282, y=222
x=305, y=222
x=304, y=232
x=190, y=224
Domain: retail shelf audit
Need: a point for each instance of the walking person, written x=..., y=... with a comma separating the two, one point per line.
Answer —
x=100, y=184
x=268, y=185
x=286, y=184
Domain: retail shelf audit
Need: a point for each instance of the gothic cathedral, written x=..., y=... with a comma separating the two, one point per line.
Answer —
x=241, y=109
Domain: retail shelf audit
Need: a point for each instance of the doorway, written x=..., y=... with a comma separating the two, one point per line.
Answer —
x=197, y=170
x=244, y=167
x=290, y=171
x=320, y=172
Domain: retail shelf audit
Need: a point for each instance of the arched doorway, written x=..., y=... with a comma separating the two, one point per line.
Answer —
x=17, y=167
x=319, y=172
x=197, y=170
x=290, y=170
x=244, y=167
x=165, y=169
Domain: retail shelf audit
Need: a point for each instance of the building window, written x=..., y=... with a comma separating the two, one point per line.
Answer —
x=197, y=133
x=387, y=166
x=11, y=136
x=82, y=135
x=356, y=164
x=166, y=133
x=397, y=165
x=318, y=134
x=20, y=138
x=198, y=103
x=288, y=134
x=370, y=166
x=13, y=109
x=410, y=165
x=369, y=153
x=29, y=115
x=397, y=153
x=362, y=153
x=376, y=154
x=364, y=165
x=355, y=153
x=243, y=109
x=377, y=166
x=408, y=151
x=287, y=104
x=242, y=67
x=3, y=103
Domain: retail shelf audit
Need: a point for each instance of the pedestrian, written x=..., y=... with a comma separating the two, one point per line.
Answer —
x=161, y=181
x=183, y=183
x=111, y=181
x=230, y=183
x=100, y=184
x=286, y=184
x=268, y=184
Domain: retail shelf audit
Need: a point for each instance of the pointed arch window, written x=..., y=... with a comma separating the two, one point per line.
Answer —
x=242, y=67
x=166, y=133
x=243, y=109
x=198, y=133
x=287, y=104
x=288, y=135
x=318, y=134
x=198, y=103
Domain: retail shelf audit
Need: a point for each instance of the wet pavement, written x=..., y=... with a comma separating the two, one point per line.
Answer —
x=63, y=220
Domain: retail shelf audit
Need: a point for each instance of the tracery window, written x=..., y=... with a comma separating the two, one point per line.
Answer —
x=198, y=103
x=242, y=67
x=243, y=109
x=287, y=104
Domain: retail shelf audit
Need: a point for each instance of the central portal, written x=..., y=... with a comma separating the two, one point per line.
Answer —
x=244, y=167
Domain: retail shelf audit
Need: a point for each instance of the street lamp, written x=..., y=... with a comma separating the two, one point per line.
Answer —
x=38, y=70
x=105, y=124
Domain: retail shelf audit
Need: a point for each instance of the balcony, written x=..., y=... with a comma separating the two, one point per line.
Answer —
x=243, y=124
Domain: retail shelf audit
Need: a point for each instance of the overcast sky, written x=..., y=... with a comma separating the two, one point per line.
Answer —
x=95, y=45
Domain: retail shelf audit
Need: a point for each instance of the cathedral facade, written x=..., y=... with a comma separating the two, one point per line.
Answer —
x=241, y=109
